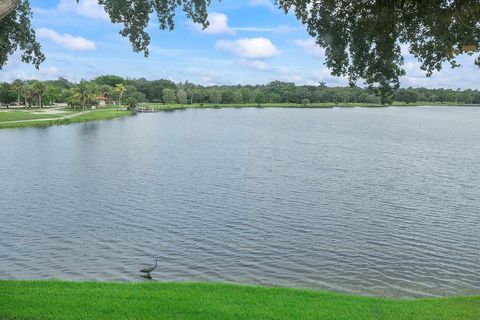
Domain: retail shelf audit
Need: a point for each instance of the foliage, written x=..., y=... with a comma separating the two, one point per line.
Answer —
x=7, y=93
x=260, y=97
x=120, y=89
x=38, y=89
x=61, y=91
x=169, y=95
x=132, y=103
x=361, y=38
x=181, y=96
x=16, y=33
x=215, y=97
x=109, y=80
x=85, y=93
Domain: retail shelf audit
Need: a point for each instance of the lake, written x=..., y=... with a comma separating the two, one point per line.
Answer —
x=380, y=201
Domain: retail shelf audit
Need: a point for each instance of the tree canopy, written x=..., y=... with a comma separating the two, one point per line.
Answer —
x=362, y=39
x=133, y=91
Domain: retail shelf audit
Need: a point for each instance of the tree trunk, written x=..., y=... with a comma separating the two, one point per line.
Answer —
x=7, y=7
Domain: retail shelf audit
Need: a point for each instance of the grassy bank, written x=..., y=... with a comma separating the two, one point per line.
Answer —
x=101, y=114
x=24, y=115
x=90, y=300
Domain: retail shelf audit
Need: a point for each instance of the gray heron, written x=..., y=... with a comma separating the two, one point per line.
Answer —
x=150, y=269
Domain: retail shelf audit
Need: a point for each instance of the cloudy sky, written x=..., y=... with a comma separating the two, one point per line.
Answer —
x=247, y=42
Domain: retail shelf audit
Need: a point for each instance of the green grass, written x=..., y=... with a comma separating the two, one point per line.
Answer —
x=92, y=300
x=100, y=114
x=24, y=115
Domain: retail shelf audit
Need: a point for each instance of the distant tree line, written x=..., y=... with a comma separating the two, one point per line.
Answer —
x=116, y=90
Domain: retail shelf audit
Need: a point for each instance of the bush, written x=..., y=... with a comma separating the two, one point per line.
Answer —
x=132, y=103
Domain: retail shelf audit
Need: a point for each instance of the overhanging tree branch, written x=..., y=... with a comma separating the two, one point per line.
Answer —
x=7, y=7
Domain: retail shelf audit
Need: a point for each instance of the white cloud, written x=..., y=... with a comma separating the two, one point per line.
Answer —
x=249, y=48
x=86, y=8
x=262, y=3
x=463, y=77
x=66, y=40
x=278, y=29
x=254, y=64
x=310, y=47
x=20, y=72
x=218, y=24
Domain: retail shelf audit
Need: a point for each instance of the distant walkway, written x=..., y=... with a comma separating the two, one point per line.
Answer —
x=68, y=116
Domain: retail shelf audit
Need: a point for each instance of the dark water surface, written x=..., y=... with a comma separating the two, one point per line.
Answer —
x=371, y=201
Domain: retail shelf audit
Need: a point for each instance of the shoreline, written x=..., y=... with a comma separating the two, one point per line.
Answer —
x=81, y=116
x=195, y=300
x=111, y=113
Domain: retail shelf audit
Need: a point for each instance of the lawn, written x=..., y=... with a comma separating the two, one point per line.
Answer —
x=100, y=114
x=153, y=300
x=23, y=115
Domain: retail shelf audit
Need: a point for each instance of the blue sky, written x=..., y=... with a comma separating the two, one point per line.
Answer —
x=248, y=42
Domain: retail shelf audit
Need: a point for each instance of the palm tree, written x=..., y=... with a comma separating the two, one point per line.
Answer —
x=39, y=89
x=106, y=92
x=26, y=93
x=17, y=85
x=120, y=88
x=84, y=92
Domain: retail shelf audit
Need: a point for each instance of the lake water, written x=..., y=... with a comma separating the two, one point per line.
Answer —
x=379, y=201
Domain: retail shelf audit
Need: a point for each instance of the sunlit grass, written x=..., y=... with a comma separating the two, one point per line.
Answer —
x=92, y=300
x=100, y=114
x=24, y=115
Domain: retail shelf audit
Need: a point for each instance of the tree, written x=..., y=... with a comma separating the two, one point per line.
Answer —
x=169, y=96
x=247, y=94
x=154, y=89
x=259, y=97
x=7, y=95
x=16, y=33
x=139, y=96
x=26, y=93
x=17, y=87
x=84, y=92
x=181, y=96
x=238, y=96
x=109, y=80
x=305, y=102
x=120, y=89
x=216, y=97
x=106, y=91
x=132, y=103
x=39, y=89
x=362, y=38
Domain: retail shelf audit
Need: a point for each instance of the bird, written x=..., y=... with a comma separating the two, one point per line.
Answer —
x=149, y=269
